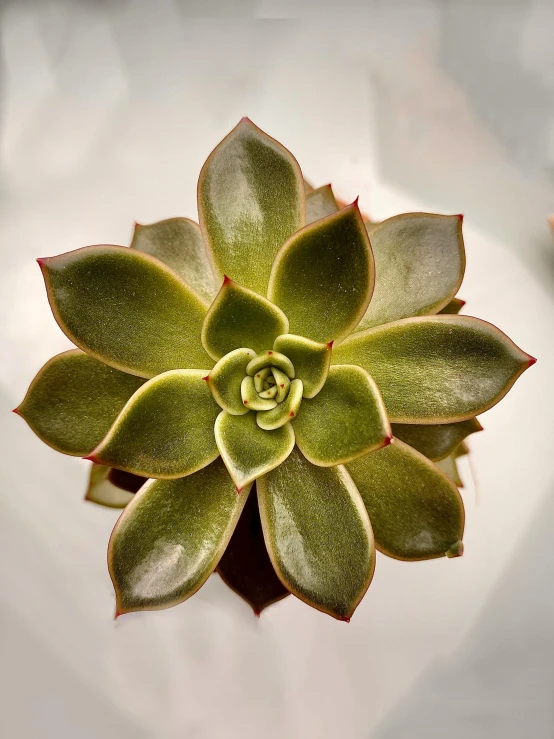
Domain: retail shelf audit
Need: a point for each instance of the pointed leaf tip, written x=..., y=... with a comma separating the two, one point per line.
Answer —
x=460, y=216
x=531, y=361
x=16, y=411
x=387, y=440
x=456, y=550
x=41, y=261
x=117, y=614
x=226, y=279
x=91, y=458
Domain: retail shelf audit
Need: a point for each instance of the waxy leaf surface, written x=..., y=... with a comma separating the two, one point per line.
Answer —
x=250, y=200
x=323, y=277
x=436, y=369
x=103, y=492
x=435, y=441
x=239, y=317
x=317, y=534
x=126, y=309
x=419, y=266
x=320, y=203
x=225, y=380
x=310, y=360
x=178, y=243
x=345, y=420
x=247, y=450
x=166, y=430
x=285, y=411
x=415, y=511
x=170, y=538
x=73, y=401
x=454, y=307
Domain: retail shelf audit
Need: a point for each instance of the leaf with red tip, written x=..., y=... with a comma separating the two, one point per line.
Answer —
x=73, y=401
x=170, y=538
x=317, y=534
x=103, y=492
x=250, y=200
x=435, y=441
x=323, y=277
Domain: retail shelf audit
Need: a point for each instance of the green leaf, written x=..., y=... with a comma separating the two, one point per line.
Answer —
x=73, y=401
x=126, y=309
x=419, y=262
x=125, y=480
x=166, y=430
x=435, y=441
x=317, y=534
x=320, y=203
x=415, y=511
x=310, y=360
x=285, y=411
x=271, y=359
x=247, y=451
x=170, y=538
x=449, y=466
x=225, y=380
x=454, y=307
x=436, y=369
x=103, y=492
x=345, y=420
x=239, y=317
x=178, y=243
x=245, y=566
x=250, y=200
x=251, y=398
x=323, y=277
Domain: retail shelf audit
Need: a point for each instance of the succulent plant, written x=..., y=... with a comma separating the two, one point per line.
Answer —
x=275, y=383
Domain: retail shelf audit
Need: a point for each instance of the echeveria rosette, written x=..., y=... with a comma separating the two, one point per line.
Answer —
x=274, y=352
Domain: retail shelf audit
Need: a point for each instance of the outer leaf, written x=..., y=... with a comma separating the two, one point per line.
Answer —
x=73, y=401
x=454, y=307
x=317, y=534
x=449, y=466
x=247, y=451
x=165, y=430
x=323, y=277
x=284, y=412
x=245, y=566
x=239, y=317
x=170, y=538
x=320, y=203
x=435, y=442
x=415, y=511
x=250, y=200
x=346, y=419
x=126, y=309
x=436, y=369
x=178, y=243
x=310, y=360
x=125, y=480
x=103, y=492
x=419, y=262
x=225, y=380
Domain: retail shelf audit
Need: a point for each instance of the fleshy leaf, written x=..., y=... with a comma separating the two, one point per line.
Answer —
x=345, y=420
x=251, y=399
x=165, y=430
x=323, y=277
x=415, y=511
x=245, y=566
x=178, y=243
x=271, y=359
x=310, y=360
x=170, y=538
x=285, y=411
x=317, y=534
x=435, y=441
x=320, y=203
x=125, y=480
x=73, y=401
x=126, y=309
x=449, y=465
x=436, y=369
x=239, y=317
x=419, y=265
x=103, y=492
x=454, y=307
x=250, y=200
x=247, y=451
x=225, y=380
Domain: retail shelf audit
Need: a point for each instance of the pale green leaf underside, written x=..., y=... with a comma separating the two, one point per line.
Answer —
x=73, y=401
x=247, y=450
x=320, y=203
x=323, y=277
x=102, y=492
x=449, y=465
x=171, y=536
x=317, y=534
x=419, y=266
x=178, y=243
x=126, y=309
x=250, y=200
x=310, y=360
x=415, y=511
x=239, y=317
x=345, y=420
x=436, y=369
x=435, y=441
x=166, y=430
x=226, y=377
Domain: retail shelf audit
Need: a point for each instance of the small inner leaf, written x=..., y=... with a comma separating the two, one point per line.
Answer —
x=310, y=359
x=283, y=412
x=225, y=380
x=252, y=400
x=270, y=359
